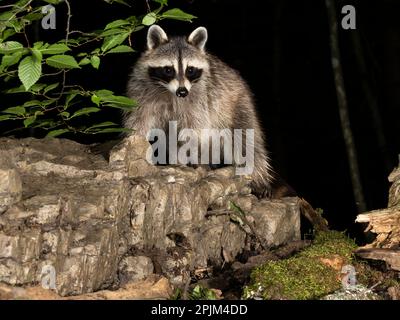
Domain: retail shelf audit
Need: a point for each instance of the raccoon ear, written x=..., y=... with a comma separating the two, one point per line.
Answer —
x=198, y=38
x=156, y=36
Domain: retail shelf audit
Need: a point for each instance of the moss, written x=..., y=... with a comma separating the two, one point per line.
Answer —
x=302, y=276
x=330, y=243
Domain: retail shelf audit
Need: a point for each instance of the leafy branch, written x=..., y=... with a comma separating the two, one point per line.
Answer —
x=37, y=75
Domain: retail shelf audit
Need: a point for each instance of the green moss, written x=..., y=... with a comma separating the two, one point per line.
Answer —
x=302, y=276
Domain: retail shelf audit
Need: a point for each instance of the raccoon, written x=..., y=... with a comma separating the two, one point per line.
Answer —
x=176, y=79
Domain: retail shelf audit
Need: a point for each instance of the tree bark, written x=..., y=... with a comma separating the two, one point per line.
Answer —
x=343, y=107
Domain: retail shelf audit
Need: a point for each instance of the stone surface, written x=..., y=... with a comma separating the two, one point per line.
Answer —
x=67, y=210
x=135, y=268
x=153, y=288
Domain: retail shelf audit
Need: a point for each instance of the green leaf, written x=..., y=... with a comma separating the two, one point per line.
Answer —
x=55, y=133
x=84, y=62
x=50, y=87
x=29, y=71
x=10, y=47
x=69, y=98
x=178, y=14
x=84, y=111
x=19, y=89
x=162, y=2
x=37, y=87
x=112, y=41
x=6, y=117
x=104, y=93
x=10, y=60
x=149, y=19
x=29, y=121
x=65, y=114
x=52, y=1
x=6, y=33
x=120, y=102
x=121, y=49
x=15, y=110
x=95, y=61
x=32, y=103
x=111, y=130
x=56, y=48
x=102, y=124
x=38, y=45
x=95, y=99
x=37, y=54
x=62, y=62
x=116, y=24
x=47, y=102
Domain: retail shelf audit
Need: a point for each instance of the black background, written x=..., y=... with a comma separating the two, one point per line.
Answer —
x=282, y=49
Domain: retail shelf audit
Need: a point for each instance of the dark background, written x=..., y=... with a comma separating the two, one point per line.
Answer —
x=282, y=49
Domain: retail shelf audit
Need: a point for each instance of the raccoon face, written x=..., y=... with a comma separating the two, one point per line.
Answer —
x=178, y=63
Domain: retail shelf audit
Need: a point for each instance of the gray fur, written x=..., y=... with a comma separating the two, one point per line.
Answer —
x=219, y=99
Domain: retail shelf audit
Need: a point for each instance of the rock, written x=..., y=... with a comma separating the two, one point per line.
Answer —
x=358, y=292
x=135, y=268
x=153, y=288
x=68, y=216
x=10, y=184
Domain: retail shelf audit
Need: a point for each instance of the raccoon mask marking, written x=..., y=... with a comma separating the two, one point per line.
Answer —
x=176, y=64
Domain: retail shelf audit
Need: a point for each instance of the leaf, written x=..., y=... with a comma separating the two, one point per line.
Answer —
x=50, y=87
x=112, y=41
x=95, y=62
x=38, y=45
x=121, y=49
x=19, y=89
x=95, y=99
x=15, y=110
x=69, y=98
x=119, y=102
x=29, y=121
x=162, y=2
x=6, y=117
x=52, y=1
x=32, y=103
x=116, y=24
x=178, y=14
x=10, y=47
x=84, y=62
x=55, y=133
x=104, y=93
x=84, y=111
x=62, y=62
x=37, y=54
x=111, y=130
x=9, y=60
x=103, y=124
x=29, y=71
x=149, y=19
x=37, y=87
x=56, y=48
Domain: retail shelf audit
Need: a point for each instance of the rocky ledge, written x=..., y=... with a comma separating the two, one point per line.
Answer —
x=72, y=221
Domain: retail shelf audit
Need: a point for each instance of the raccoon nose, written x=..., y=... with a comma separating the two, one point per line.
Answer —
x=182, y=92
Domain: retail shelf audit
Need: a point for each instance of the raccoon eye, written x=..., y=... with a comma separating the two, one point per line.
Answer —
x=168, y=71
x=190, y=71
